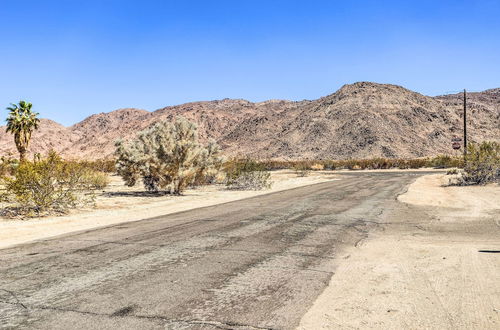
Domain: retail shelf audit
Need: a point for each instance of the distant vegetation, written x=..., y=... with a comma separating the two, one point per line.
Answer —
x=362, y=164
x=168, y=157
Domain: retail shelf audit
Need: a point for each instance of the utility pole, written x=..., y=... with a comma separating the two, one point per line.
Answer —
x=465, y=123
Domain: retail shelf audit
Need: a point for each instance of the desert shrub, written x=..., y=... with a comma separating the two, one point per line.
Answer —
x=482, y=163
x=330, y=165
x=445, y=161
x=452, y=171
x=356, y=164
x=270, y=165
x=8, y=166
x=253, y=180
x=167, y=157
x=100, y=165
x=418, y=163
x=246, y=174
x=209, y=165
x=96, y=180
x=317, y=167
x=51, y=184
x=301, y=169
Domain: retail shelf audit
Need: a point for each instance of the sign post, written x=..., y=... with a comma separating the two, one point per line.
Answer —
x=465, y=124
x=456, y=143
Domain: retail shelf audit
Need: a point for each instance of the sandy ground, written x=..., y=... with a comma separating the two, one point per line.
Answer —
x=119, y=203
x=424, y=273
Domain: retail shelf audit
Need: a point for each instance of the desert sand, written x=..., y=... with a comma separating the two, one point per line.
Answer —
x=118, y=203
x=429, y=276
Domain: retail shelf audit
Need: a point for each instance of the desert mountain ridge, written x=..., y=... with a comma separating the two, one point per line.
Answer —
x=360, y=120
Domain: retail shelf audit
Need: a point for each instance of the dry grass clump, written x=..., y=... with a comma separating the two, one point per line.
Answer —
x=50, y=185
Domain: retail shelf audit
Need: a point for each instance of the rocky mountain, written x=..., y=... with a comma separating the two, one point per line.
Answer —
x=360, y=120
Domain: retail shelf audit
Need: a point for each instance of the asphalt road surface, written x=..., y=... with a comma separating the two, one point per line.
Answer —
x=257, y=263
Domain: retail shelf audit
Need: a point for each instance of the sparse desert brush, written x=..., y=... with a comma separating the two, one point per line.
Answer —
x=482, y=163
x=168, y=157
x=96, y=180
x=101, y=165
x=51, y=185
x=246, y=174
x=271, y=165
x=235, y=166
x=445, y=161
x=330, y=165
x=301, y=169
x=317, y=167
x=417, y=163
x=378, y=163
x=8, y=166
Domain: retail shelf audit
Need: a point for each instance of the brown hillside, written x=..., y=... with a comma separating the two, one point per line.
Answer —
x=360, y=120
x=50, y=135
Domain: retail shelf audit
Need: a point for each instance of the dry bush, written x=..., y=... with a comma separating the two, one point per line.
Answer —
x=8, y=166
x=317, y=167
x=100, y=165
x=51, y=185
x=246, y=174
x=168, y=157
x=482, y=164
x=301, y=169
x=445, y=161
x=370, y=164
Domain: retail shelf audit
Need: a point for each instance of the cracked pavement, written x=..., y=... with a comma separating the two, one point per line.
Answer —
x=257, y=263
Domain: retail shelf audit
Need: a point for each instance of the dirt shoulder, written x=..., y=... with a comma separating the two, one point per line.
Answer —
x=429, y=266
x=118, y=203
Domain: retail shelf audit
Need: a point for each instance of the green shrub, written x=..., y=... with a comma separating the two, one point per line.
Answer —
x=51, y=184
x=482, y=163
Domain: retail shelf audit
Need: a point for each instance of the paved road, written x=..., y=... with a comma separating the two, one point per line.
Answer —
x=257, y=263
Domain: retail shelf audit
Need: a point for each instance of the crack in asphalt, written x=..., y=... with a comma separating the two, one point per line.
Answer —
x=12, y=294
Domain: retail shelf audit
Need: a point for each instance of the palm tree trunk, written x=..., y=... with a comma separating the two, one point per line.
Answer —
x=22, y=154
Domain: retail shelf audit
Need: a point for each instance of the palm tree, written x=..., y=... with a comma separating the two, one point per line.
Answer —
x=22, y=122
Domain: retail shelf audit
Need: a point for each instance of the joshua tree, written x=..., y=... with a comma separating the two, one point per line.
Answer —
x=22, y=122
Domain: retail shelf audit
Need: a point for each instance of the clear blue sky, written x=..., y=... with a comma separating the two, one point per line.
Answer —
x=76, y=58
